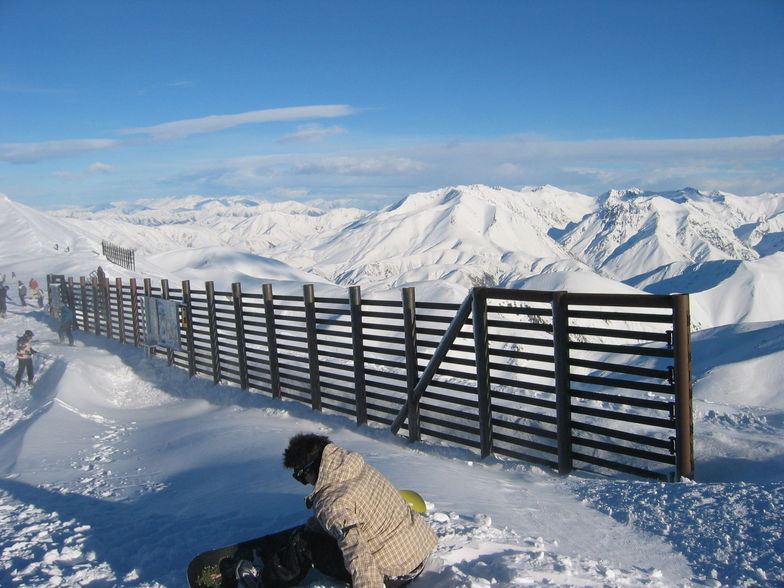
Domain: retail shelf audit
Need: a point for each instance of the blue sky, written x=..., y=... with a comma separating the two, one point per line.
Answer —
x=367, y=101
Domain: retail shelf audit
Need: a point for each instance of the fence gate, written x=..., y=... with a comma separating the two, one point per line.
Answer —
x=588, y=381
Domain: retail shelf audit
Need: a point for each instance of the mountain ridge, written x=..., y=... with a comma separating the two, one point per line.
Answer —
x=468, y=235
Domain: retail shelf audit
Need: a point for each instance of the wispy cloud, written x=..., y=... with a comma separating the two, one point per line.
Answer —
x=311, y=133
x=727, y=163
x=33, y=152
x=67, y=176
x=210, y=124
x=359, y=166
x=97, y=168
x=100, y=168
x=743, y=165
x=42, y=150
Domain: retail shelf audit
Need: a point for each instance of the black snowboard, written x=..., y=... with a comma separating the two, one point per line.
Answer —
x=204, y=571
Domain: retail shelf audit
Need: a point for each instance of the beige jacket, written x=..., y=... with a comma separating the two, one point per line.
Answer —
x=376, y=530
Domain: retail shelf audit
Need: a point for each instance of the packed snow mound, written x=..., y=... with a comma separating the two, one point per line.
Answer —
x=225, y=265
x=571, y=281
x=752, y=293
x=723, y=292
x=740, y=363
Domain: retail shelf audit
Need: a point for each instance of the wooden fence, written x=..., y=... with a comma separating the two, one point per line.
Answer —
x=598, y=382
x=122, y=256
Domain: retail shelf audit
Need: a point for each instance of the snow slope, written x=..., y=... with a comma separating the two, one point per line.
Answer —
x=115, y=469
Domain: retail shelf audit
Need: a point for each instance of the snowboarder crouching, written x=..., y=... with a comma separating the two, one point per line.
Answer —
x=24, y=353
x=363, y=531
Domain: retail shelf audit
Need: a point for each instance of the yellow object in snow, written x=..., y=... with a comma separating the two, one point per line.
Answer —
x=414, y=500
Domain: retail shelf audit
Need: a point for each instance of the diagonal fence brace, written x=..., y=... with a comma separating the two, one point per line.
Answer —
x=435, y=361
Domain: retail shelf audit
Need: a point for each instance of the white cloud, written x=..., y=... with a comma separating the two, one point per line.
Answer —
x=521, y=149
x=741, y=165
x=33, y=152
x=67, y=176
x=507, y=169
x=100, y=168
x=359, y=166
x=40, y=151
x=594, y=166
x=210, y=124
x=311, y=133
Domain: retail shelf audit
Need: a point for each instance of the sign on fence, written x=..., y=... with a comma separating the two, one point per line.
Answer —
x=161, y=322
x=55, y=296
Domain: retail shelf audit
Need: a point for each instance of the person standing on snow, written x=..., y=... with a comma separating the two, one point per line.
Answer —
x=67, y=319
x=24, y=353
x=3, y=297
x=33, y=284
x=20, y=287
x=363, y=532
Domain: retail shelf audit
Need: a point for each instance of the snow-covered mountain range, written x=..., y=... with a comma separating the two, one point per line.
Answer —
x=726, y=250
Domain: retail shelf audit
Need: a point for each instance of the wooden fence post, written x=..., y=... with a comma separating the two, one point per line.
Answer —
x=482, y=352
x=71, y=297
x=107, y=305
x=49, y=282
x=85, y=309
x=313, y=359
x=118, y=286
x=214, y=341
x=148, y=293
x=137, y=331
x=272, y=340
x=96, y=306
x=684, y=428
x=165, y=296
x=412, y=367
x=563, y=398
x=239, y=325
x=358, y=349
x=186, y=301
